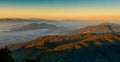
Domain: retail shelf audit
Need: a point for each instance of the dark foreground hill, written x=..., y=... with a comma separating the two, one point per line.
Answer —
x=74, y=48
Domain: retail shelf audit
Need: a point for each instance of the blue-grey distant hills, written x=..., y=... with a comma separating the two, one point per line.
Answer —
x=98, y=29
x=17, y=30
x=24, y=20
x=36, y=26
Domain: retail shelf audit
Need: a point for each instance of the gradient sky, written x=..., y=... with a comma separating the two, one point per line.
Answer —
x=61, y=9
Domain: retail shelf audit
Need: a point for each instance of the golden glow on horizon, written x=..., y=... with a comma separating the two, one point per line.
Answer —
x=80, y=13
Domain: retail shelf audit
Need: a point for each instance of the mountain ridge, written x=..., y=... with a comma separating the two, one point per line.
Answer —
x=59, y=44
x=100, y=29
x=23, y=20
x=35, y=26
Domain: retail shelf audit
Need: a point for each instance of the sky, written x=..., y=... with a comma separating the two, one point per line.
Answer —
x=61, y=9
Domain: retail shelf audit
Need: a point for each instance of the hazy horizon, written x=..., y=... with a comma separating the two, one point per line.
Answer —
x=61, y=9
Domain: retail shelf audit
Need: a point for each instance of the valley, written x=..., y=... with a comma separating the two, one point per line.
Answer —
x=59, y=42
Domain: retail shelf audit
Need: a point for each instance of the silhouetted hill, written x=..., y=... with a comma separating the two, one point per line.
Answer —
x=99, y=29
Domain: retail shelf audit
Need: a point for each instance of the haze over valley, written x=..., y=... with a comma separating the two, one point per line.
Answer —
x=49, y=37
x=59, y=30
x=16, y=30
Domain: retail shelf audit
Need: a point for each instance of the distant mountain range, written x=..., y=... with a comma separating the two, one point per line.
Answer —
x=90, y=46
x=16, y=33
x=100, y=29
x=36, y=26
x=24, y=20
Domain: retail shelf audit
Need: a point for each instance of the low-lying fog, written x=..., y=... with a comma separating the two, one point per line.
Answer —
x=7, y=37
